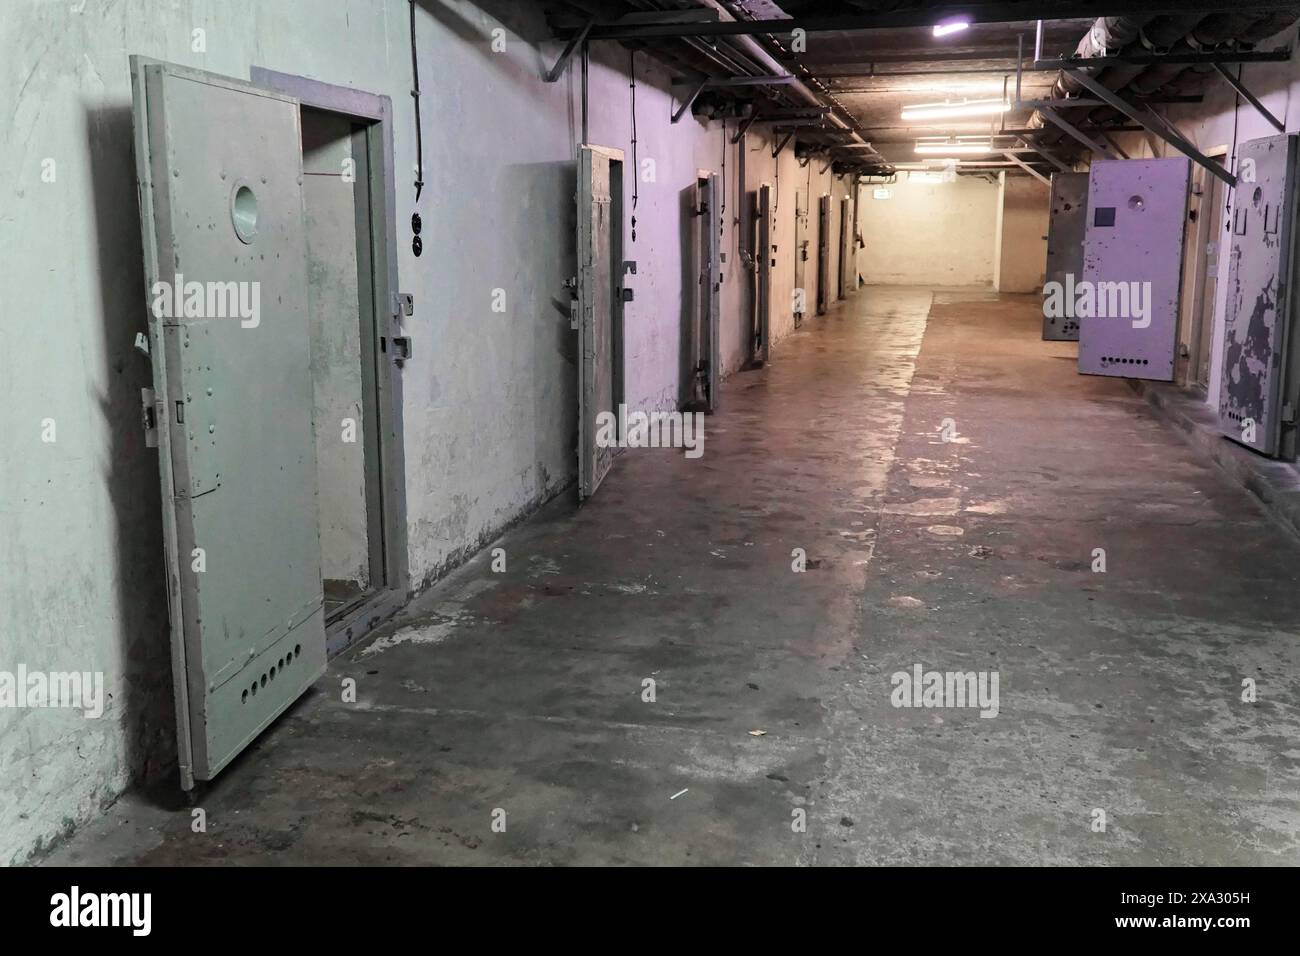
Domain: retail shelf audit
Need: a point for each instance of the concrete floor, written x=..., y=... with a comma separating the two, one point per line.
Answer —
x=523, y=691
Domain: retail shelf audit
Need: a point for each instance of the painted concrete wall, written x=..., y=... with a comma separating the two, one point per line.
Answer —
x=940, y=234
x=1020, y=238
x=489, y=415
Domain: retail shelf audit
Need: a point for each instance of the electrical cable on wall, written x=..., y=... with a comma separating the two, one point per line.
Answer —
x=631, y=72
x=415, y=95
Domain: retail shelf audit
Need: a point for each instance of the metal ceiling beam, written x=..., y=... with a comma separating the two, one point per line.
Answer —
x=1046, y=154
x=1250, y=97
x=731, y=81
x=1005, y=12
x=1149, y=59
x=1026, y=167
x=1154, y=123
x=1077, y=133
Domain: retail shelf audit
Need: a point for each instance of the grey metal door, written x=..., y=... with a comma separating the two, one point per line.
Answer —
x=763, y=274
x=800, y=257
x=1257, y=330
x=823, y=252
x=599, y=276
x=846, y=244
x=1132, y=267
x=219, y=165
x=711, y=287
x=1066, y=225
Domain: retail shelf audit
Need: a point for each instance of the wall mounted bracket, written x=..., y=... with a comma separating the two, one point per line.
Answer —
x=1249, y=97
x=555, y=72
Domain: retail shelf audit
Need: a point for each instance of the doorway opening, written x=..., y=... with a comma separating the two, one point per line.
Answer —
x=356, y=350
x=598, y=308
x=800, y=256
x=1201, y=249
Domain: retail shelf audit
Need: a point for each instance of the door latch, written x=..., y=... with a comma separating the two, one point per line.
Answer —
x=403, y=304
x=401, y=348
x=149, y=418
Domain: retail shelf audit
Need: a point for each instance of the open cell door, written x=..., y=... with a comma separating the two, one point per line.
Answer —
x=1067, y=221
x=823, y=253
x=1128, y=302
x=846, y=246
x=1257, y=385
x=763, y=274
x=711, y=288
x=219, y=168
x=598, y=309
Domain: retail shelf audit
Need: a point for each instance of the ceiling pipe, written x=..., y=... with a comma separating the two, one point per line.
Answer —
x=755, y=50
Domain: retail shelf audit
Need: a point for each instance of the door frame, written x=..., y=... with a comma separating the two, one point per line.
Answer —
x=1195, y=328
x=375, y=113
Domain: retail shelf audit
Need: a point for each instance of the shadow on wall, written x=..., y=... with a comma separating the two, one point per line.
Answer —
x=131, y=473
x=518, y=20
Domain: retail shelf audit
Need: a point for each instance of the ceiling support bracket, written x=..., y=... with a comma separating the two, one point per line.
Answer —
x=1249, y=97
x=1026, y=167
x=1154, y=123
x=776, y=150
x=744, y=127
x=681, y=110
x=555, y=72
x=1077, y=133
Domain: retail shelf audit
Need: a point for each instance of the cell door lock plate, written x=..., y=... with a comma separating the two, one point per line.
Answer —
x=149, y=417
x=401, y=348
x=629, y=267
x=403, y=304
x=627, y=294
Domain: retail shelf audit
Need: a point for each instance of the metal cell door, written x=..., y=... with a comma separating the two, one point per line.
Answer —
x=711, y=221
x=823, y=252
x=846, y=244
x=219, y=166
x=763, y=273
x=599, y=275
x=1253, y=399
x=1132, y=268
x=800, y=257
x=1066, y=224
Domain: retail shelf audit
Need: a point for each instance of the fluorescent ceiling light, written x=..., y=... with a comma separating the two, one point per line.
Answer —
x=954, y=149
x=952, y=25
x=950, y=109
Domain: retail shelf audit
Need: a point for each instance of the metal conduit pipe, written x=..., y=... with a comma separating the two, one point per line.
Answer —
x=755, y=50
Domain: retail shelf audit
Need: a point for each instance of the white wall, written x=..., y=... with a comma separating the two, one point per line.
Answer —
x=490, y=418
x=939, y=234
x=1020, y=240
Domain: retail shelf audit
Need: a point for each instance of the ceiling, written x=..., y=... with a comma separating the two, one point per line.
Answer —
x=873, y=76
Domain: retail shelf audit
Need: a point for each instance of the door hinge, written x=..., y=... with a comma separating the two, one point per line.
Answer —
x=1288, y=413
x=149, y=417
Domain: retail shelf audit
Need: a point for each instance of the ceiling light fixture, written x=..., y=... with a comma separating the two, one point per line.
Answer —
x=950, y=109
x=951, y=25
x=954, y=148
